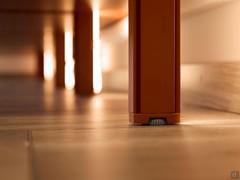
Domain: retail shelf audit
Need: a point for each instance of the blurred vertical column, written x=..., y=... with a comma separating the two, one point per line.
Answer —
x=40, y=64
x=154, y=61
x=60, y=58
x=83, y=49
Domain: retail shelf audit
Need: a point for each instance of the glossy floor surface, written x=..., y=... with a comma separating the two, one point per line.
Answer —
x=49, y=134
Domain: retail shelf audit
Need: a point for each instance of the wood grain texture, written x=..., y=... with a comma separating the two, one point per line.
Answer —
x=71, y=137
x=212, y=85
x=142, y=153
x=15, y=160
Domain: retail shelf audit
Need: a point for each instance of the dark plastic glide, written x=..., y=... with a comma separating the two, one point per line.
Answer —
x=157, y=122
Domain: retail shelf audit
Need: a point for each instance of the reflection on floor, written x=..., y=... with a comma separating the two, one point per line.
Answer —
x=49, y=134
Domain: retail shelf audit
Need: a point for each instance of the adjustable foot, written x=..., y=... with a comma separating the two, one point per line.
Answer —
x=155, y=119
x=157, y=122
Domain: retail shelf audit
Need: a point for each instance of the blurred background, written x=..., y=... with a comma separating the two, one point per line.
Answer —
x=209, y=46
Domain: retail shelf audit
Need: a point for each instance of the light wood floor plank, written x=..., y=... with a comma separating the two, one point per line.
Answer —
x=44, y=135
x=174, y=152
x=15, y=160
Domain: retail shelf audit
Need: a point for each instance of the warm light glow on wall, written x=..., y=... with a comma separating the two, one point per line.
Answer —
x=114, y=56
x=48, y=65
x=106, y=57
x=49, y=58
x=69, y=61
x=97, y=70
x=126, y=26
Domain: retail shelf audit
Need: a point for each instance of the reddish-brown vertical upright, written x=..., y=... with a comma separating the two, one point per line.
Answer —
x=154, y=61
x=83, y=50
x=40, y=64
x=60, y=58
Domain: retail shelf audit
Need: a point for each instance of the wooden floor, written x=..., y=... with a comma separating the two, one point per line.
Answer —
x=49, y=134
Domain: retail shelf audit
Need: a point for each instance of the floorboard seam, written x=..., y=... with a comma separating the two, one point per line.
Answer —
x=31, y=156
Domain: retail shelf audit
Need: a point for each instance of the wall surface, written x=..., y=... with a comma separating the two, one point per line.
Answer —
x=114, y=56
x=189, y=7
x=211, y=58
x=212, y=36
x=17, y=61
